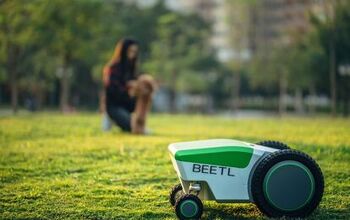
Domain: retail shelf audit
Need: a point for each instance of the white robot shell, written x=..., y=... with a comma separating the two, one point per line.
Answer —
x=223, y=167
x=280, y=181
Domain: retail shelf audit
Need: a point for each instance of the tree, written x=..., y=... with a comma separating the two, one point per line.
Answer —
x=16, y=37
x=66, y=28
x=239, y=22
x=57, y=48
x=180, y=52
x=334, y=35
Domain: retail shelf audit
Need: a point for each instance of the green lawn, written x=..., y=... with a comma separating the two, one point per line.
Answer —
x=54, y=166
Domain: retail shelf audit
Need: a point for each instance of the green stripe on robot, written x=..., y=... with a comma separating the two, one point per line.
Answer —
x=230, y=156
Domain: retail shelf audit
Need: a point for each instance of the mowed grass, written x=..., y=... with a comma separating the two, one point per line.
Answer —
x=56, y=166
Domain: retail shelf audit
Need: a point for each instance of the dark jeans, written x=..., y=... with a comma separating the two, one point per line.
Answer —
x=120, y=112
x=121, y=116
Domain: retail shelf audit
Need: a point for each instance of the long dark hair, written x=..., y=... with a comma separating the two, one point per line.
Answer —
x=120, y=57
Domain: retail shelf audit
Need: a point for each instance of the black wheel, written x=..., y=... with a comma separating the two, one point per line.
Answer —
x=287, y=183
x=175, y=193
x=274, y=144
x=189, y=206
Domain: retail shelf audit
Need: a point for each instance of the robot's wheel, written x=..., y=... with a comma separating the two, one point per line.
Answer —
x=175, y=193
x=189, y=206
x=287, y=183
x=274, y=144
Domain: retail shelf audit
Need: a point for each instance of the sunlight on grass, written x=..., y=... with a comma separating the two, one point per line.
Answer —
x=54, y=166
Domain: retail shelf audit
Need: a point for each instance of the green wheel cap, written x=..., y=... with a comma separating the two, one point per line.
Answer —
x=188, y=208
x=288, y=185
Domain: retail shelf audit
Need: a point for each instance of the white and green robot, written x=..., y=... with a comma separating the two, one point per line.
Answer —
x=280, y=181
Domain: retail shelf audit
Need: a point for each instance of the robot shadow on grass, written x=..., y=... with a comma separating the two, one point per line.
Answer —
x=238, y=213
x=229, y=212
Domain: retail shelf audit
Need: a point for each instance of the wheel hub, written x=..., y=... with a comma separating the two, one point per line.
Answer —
x=189, y=208
x=289, y=185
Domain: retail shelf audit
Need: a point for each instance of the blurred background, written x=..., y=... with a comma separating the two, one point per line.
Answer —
x=234, y=57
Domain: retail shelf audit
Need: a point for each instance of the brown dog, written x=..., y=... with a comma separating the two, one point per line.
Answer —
x=143, y=89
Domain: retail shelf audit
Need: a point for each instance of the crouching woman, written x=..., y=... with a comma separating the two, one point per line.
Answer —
x=127, y=95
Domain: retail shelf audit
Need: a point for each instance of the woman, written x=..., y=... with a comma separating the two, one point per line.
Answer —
x=127, y=96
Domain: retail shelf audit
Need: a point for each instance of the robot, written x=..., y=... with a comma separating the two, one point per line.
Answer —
x=279, y=180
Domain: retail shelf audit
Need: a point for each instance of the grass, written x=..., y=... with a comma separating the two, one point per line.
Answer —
x=54, y=166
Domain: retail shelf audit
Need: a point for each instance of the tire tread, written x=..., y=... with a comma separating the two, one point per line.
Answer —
x=173, y=192
x=267, y=163
x=274, y=144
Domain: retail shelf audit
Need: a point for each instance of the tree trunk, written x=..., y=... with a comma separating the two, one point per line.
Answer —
x=312, y=94
x=172, y=100
x=282, y=94
x=64, y=91
x=172, y=94
x=236, y=89
x=38, y=97
x=347, y=106
x=345, y=96
x=102, y=101
x=12, y=55
x=14, y=92
x=332, y=75
x=298, y=101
